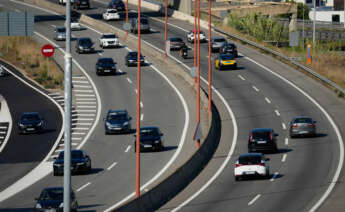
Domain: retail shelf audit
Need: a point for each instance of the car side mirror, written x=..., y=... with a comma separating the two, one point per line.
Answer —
x=161, y=134
x=55, y=157
x=36, y=198
x=276, y=134
x=267, y=159
x=130, y=118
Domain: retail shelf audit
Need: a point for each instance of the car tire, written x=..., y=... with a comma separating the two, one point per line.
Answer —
x=55, y=173
x=267, y=176
x=237, y=178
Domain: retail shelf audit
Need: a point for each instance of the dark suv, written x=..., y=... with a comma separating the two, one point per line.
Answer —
x=262, y=139
x=117, y=4
x=150, y=139
x=80, y=162
x=105, y=66
x=229, y=48
x=77, y=4
x=30, y=122
x=84, y=45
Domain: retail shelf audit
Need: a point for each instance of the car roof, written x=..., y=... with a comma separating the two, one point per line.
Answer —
x=30, y=113
x=105, y=58
x=147, y=128
x=302, y=117
x=262, y=130
x=84, y=38
x=60, y=27
x=251, y=155
x=53, y=188
x=117, y=111
x=218, y=37
x=226, y=55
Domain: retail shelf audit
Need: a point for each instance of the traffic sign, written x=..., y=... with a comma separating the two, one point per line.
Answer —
x=198, y=133
x=47, y=50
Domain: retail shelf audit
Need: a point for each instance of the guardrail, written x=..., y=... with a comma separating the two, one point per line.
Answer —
x=299, y=65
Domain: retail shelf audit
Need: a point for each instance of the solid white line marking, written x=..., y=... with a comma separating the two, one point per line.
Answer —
x=60, y=100
x=136, y=91
x=274, y=176
x=81, y=77
x=84, y=115
x=255, y=88
x=242, y=78
x=129, y=80
x=81, y=81
x=86, y=111
x=53, y=26
x=58, y=97
x=54, y=94
x=141, y=105
x=83, y=91
x=100, y=54
x=59, y=150
x=3, y=127
x=284, y=126
x=85, y=95
x=2, y=137
x=83, y=106
x=267, y=100
x=82, y=86
x=128, y=148
x=81, y=128
x=277, y=112
x=84, y=186
x=255, y=198
x=86, y=103
x=141, y=117
x=120, y=71
x=111, y=166
x=82, y=119
x=286, y=141
x=2, y=132
x=76, y=138
x=85, y=99
x=82, y=124
x=284, y=158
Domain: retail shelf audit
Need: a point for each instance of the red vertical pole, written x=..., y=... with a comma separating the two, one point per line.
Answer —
x=166, y=27
x=195, y=23
x=137, y=187
x=126, y=18
x=198, y=77
x=209, y=60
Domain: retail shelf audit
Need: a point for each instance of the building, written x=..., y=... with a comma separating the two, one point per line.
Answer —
x=327, y=14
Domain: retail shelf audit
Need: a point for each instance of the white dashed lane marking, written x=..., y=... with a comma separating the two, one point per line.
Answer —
x=141, y=117
x=242, y=78
x=274, y=176
x=84, y=186
x=128, y=148
x=256, y=89
x=284, y=126
x=286, y=141
x=112, y=166
x=267, y=100
x=255, y=198
x=284, y=158
x=141, y=105
x=277, y=112
x=129, y=80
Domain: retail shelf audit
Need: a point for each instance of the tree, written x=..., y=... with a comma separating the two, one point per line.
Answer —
x=300, y=8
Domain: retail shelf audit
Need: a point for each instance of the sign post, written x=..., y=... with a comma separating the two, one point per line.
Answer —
x=308, y=54
x=48, y=51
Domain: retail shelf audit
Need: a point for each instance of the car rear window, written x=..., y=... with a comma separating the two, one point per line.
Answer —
x=175, y=39
x=152, y=132
x=219, y=40
x=61, y=29
x=30, y=117
x=109, y=36
x=249, y=160
x=261, y=135
x=303, y=120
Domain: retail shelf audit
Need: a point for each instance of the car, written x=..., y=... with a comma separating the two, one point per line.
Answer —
x=77, y=4
x=117, y=4
x=3, y=72
x=109, y=40
x=225, y=61
x=144, y=25
x=110, y=14
x=60, y=33
x=75, y=25
x=302, y=126
x=229, y=48
x=117, y=121
x=251, y=165
x=217, y=43
x=132, y=59
x=190, y=36
x=62, y=1
x=176, y=43
x=105, y=65
x=80, y=162
x=151, y=138
x=84, y=45
x=262, y=140
x=30, y=122
x=51, y=199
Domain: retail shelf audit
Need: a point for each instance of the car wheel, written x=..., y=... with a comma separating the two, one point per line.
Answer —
x=267, y=176
x=55, y=173
x=237, y=178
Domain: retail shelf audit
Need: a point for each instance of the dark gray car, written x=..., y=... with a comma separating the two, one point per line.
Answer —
x=84, y=45
x=144, y=25
x=60, y=33
x=302, y=126
x=117, y=121
x=217, y=43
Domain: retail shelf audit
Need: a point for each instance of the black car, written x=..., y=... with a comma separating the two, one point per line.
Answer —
x=117, y=4
x=117, y=121
x=229, y=48
x=51, y=199
x=176, y=43
x=30, y=122
x=84, y=45
x=132, y=59
x=80, y=162
x=105, y=66
x=77, y=4
x=150, y=139
x=262, y=139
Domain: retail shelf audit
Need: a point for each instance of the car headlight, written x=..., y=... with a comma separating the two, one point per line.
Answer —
x=61, y=205
x=81, y=47
x=38, y=205
x=113, y=67
x=57, y=164
x=157, y=142
x=82, y=163
x=108, y=124
x=131, y=60
x=21, y=125
x=126, y=123
x=40, y=124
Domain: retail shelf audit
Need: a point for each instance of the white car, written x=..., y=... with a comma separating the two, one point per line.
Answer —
x=62, y=1
x=190, y=36
x=75, y=25
x=111, y=14
x=251, y=165
x=109, y=40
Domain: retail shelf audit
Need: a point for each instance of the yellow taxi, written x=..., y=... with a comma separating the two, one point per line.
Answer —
x=225, y=61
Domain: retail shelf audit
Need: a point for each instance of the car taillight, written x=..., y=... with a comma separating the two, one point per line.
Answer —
x=238, y=165
x=294, y=125
x=262, y=164
x=311, y=125
x=271, y=136
x=251, y=137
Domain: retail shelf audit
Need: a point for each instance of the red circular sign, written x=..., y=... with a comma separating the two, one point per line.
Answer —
x=47, y=50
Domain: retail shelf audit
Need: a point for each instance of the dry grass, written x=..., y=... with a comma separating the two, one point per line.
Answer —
x=26, y=54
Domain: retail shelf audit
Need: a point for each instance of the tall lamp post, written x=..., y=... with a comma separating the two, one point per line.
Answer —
x=198, y=65
x=209, y=60
x=165, y=28
x=314, y=21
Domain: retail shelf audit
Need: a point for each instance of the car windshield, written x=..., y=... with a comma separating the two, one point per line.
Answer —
x=112, y=11
x=85, y=42
x=175, y=39
x=106, y=61
x=149, y=132
x=144, y=21
x=52, y=194
x=74, y=20
x=303, y=120
x=261, y=135
x=218, y=40
x=249, y=160
x=30, y=117
x=74, y=154
x=109, y=36
x=61, y=29
x=117, y=116
x=134, y=54
x=227, y=57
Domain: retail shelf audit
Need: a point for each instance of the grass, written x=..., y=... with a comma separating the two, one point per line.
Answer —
x=25, y=53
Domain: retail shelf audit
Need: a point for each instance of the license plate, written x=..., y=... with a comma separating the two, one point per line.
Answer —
x=49, y=210
x=261, y=142
x=30, y=129
x=249, y=172
x=83, y=3
x=147, y=146
x=303, y=132
x=106, y=70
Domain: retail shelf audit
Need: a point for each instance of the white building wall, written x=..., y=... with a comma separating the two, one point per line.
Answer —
x=326, y=15
x=329, y=3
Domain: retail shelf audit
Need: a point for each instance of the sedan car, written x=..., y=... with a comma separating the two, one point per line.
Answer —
x=151, y=138
x=190, y=36
x=302, y=126
x=60, y=33
x=30, y=122
x=132, y=59
x=144, y=25
x=251, y=165
x=225, y=61
x=117, y=4
x=111, y=14
x=262, y=139
x=105, y=65
x=117, y=121
x=176, y=43
x=229, y=48
x=84, y=45
x=75, y=25
x=217, y=43
x=77, y=4
x=51, y=199
x=80, y=162
x=109, y=40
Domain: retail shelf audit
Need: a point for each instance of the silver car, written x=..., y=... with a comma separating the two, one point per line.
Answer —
x=217, y=43
x=60, y=33
x=144, y=25
x=302, y=126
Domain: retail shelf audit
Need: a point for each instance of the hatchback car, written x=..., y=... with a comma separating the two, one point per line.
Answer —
x=30, y=122
x=60, y=33
x=84, y=45
x=105, y=65
x=117, y=4
x=80, y=162
x=229, y=48
x=217, y=43
x=77, y=4
x=176, y=43
x=75, y=25
x=110, y=14
x=144, y=25
x=117, y=121
x=262, y=139
x=151, y=139
x=225, y=61
x=251, y=165
x=190, y=36
x=302, y=126
x=51, y=199
x=132, y=59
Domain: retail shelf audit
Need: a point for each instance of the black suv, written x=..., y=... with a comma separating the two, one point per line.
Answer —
x=77, y=4
x=132, y=59
x=229, y=48
x=30, y=122
x=117, y=121
x=262, y=139
x=150, y=139
x=105, y=66
x=84, y=45
x=80, y=162
x=52, y=198
x=117, y=4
